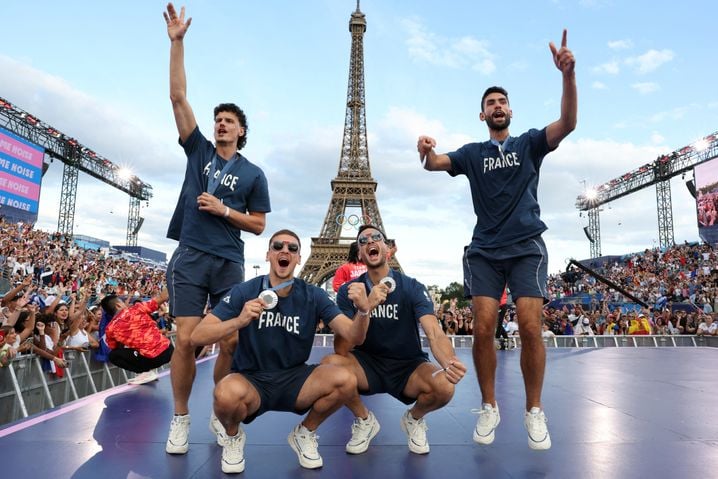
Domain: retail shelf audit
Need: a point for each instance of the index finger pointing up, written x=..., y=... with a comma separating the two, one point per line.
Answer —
x=563, y=40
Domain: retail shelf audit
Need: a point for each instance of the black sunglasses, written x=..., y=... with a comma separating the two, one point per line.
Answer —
x=362, y=240
x=279, y=246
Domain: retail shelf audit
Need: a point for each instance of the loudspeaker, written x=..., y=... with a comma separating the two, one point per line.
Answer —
x=139, y=225
x=691, y=185
x=588, y=235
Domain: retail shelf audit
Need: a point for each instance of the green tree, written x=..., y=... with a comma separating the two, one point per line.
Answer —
x=455, y=290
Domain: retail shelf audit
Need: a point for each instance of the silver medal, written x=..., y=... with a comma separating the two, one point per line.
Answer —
x=269, y=297
x=390, y=283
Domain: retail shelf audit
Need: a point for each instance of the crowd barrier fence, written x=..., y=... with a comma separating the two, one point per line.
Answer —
x=26, y=390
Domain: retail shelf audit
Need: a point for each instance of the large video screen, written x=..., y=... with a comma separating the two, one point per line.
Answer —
x=706, y=177
x=20, y=177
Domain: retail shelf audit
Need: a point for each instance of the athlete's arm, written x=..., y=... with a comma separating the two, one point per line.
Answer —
x=432, y=162
x=253, y=221
x=211, y=329
x=565, y=62
x=176, y=29
x=442, y=349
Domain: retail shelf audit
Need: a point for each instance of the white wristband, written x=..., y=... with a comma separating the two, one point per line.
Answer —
x=362, y=313
x=226, y=211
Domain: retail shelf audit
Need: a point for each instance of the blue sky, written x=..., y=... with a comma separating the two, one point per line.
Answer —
x=97, y=71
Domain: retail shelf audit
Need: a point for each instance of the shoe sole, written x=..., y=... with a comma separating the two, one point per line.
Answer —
x=232, y=468
x=484, y=440
x=142, y=381
x=172, y=449
x=303, y=461
x=540, y=446
x=368, y=441
x=414, y=449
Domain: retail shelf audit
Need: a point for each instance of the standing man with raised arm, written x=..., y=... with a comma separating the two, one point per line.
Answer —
x=506, y=247
x=222, y=195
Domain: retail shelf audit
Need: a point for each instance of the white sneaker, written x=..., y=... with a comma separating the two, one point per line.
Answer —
x=178, y=440
x=144, y=378
x=304, y=443
x=489, y=419
x=535, y=422
x=363, y=431
x=416, y=430
x=217, y=429
x=233, y=453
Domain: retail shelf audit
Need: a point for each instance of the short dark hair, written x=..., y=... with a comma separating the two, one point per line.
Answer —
x=366, y=227
x=493, y=89
x=286, y=232
x=353, y=256
x=232, y=108
x=109, y=304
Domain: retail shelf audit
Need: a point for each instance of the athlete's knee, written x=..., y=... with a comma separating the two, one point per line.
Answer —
x=484, y=329
x=443, y=391
x=228, y=392
x=334, y=360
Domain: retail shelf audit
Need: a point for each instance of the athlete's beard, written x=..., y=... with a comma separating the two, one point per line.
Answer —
x=492, y=124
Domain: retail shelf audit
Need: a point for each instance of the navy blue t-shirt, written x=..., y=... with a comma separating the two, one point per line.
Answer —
x=243, y=188
x=281, y=337
x=503, y=187
x=394, y=325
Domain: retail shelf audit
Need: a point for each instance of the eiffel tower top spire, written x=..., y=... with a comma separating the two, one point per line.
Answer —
x=353, y=200
x=354, y=161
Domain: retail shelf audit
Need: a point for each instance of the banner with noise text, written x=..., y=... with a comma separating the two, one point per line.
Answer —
x=20, y=177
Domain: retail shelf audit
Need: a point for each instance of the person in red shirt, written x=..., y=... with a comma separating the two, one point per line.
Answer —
x=353, y=268
x=132, y=334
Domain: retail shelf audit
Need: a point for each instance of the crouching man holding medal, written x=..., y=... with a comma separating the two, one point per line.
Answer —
x=390, y=359
x=275, y=317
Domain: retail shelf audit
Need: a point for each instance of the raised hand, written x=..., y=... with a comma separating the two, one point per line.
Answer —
x=424, y=145
x=563, y=57
x=176, y=25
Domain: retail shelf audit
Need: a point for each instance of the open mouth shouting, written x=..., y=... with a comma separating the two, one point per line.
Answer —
x=373, y=252
x=283, y=261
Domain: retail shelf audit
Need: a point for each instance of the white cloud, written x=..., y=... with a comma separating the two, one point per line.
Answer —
x=620, y=44
x=610, y=68
x=650, y=60
x=414, y=204
x=465, y=52
x=597, y=85
x=657, y=138
x=644, y=88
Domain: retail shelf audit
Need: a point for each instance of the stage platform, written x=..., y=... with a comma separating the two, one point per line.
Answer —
x=613, y=413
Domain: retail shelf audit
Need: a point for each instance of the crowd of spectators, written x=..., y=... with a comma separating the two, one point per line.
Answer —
x=55, y=290
x=56, y=286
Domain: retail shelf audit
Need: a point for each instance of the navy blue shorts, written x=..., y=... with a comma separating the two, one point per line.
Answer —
x=386, y=375
x=278, y=390
x=194, y=276
x=523, y=266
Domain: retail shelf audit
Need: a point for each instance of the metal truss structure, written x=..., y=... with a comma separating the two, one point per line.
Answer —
x=76, y=157
x=658, y=173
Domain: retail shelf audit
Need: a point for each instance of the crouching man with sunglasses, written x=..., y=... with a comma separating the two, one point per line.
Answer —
x=390, y=359
x=275, y=318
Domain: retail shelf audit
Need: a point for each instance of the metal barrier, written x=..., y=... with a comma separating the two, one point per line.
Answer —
x=655, y=341
x=25, y=389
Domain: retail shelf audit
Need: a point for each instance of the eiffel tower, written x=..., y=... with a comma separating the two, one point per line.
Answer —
x=353, y=200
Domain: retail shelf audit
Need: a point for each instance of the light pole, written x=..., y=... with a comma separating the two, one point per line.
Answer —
x=256, y=270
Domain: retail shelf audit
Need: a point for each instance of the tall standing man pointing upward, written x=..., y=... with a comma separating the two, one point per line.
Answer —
x=506, y=246
x=222, y=195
